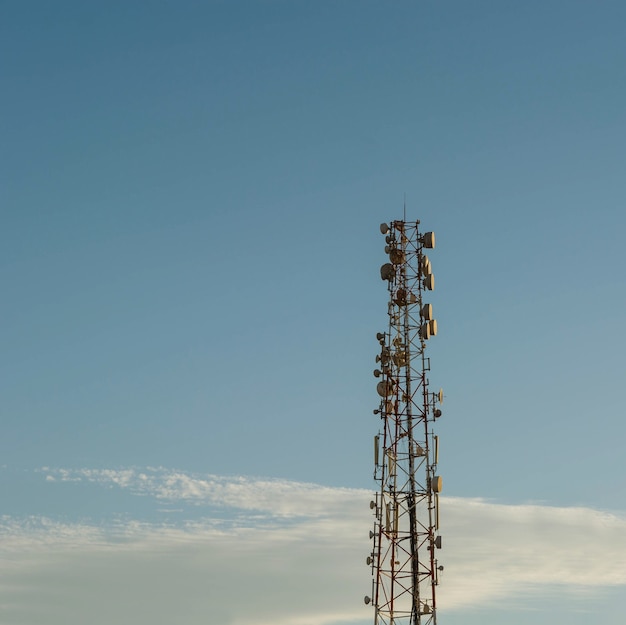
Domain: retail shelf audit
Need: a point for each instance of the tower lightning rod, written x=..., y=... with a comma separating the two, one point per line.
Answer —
x=405, y=538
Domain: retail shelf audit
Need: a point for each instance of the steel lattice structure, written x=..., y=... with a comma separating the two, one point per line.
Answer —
x=406, y=506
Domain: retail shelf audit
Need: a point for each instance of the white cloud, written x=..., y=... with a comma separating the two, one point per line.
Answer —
x=290, y=554
x=502, y=551
x=281, y=498
x=198, y=573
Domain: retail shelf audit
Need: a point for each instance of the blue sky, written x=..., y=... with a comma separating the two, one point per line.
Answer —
x=189, y=254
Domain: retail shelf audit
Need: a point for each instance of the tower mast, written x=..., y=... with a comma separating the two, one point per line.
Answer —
x=406, y=506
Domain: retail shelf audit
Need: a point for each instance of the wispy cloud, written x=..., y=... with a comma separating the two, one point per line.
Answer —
x=289, y=553
x=280, y=498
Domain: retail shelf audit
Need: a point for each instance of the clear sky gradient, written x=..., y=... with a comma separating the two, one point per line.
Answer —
x=190, y=195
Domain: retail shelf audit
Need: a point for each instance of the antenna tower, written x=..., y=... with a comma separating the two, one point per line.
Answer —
x=406, y=507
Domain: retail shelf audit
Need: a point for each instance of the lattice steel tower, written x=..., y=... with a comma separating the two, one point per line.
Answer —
x=406, y=507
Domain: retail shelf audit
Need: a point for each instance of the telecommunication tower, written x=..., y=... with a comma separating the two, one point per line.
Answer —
x=406, y=507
